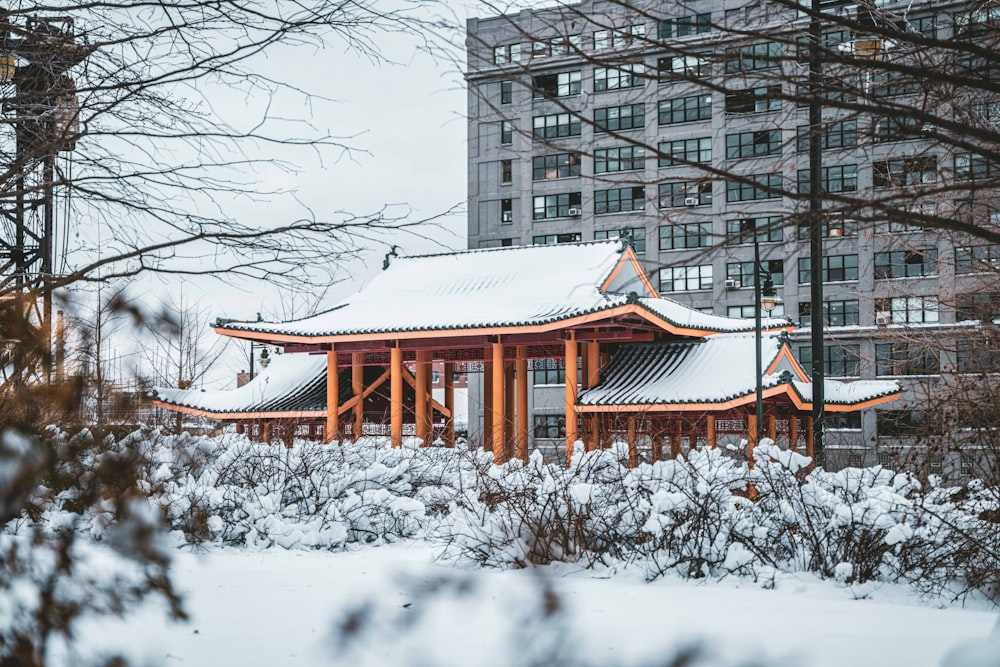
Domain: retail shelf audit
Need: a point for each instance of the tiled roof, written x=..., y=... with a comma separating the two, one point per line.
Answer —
x=688, y=318
x=715, y=369
x=290, y=383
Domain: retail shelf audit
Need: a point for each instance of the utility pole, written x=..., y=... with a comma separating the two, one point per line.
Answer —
x=40, y=103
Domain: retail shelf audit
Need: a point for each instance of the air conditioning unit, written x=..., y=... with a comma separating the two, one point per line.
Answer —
x=882, y=318
x=732, y=283
x=574, y=212
x=691, y=201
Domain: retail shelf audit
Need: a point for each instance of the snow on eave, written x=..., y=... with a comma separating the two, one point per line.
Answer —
x=694, y=319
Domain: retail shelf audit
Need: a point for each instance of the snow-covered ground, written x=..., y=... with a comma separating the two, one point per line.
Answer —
x=275, y=607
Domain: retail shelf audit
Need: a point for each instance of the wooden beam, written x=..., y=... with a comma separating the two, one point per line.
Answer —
x=488, y=400
x=593, y=364
x=793, y=432
x=396, y=397
x=421, y=402
x=449, y=404
x=332, y=397
x=358, y=390
x=353, y=401
x=572, y=431
x=521, y=409
x=499, y=396
x=633, y=449
x=710, y=431
x=809, y=436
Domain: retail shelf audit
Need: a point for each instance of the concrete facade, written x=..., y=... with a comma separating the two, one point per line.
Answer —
x=596, y=186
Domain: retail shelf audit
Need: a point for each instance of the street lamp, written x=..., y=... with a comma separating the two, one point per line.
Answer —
x=265, y=356
x=765, y=299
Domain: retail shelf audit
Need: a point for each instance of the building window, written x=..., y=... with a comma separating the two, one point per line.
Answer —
x=754, y=100
x=977, y=259
x=686, y=278
x=842, y=313
x=557, y=46
x=899, y=423
x=625, y=158
x=685, y=109
x=835, y=268
x=553, y=239
x=683, y=26
x=983, y=306
x=617, y=78
x=907, y=310
x=685, y=193
x=754, y=56
x=843, y=421
x=910, y=171
x=751, y=144
x=561, y=84
x=767, y=230
x=906, y=263
x=838, y=360
x=559, y=165
x=691, y=235
x=977, y=356
x=746, y=274
x=506, y=211
x=835, y=135
x=905, y=359
x=968, y=465
x=555, y=125
x=838, y=178
x=761, y=186
x=506, y=92
x=619, y=200
x=507, y=53
x=887, y=129
x=549, y=376
x=748, y=311
x=546, y=207
x=619, y=38
x=549, y=427
x=613, y=119
x=672, y=68
x=972, y=167
x=637, y=234
x=685, y=151
x=506, y=172
x=836, y=225
x=506, y=133
x=893, y=84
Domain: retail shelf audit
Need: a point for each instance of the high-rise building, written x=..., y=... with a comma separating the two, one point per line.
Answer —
x=677, y=123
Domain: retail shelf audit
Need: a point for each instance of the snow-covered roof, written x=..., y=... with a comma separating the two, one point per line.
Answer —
x=497, y=288
x=292, y=383
x=714, y=370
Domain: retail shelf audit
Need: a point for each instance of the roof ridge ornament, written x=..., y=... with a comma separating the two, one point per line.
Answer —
x=626, y=238
x=394, y=252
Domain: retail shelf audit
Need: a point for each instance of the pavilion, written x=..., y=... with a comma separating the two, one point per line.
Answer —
x=635, y=363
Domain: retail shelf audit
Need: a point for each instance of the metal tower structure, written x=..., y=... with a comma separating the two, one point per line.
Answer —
x=39, y=119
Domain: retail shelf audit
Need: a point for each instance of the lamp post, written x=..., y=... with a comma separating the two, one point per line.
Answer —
x=765, y=299
x=265, y=356
x=816, y=224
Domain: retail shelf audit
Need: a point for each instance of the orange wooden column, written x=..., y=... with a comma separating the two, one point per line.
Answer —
x=594, y=441
x=267, y=433
x=449, y=403
x=809, y=436
x=710, y=431
x=633, y=450
x=509, y=422
x=396, y=395
x=772, y=427
x=358, y=389
x=793, y=433
x=751, y=437
x=332, y=397
x=593, y=365
x=421, y=401
x=240, y=428
x=572, y=429
x=488, y=399
x=521, y=409
x=676, y=439
x=656, y=445
x=499, y=396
